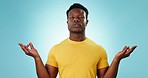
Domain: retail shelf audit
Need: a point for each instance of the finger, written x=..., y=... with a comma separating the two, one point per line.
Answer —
x=31, y=45
x=28, y=45
x=23, y=48
x=130, y=50
x=125, y=49
x=133, y=48
x=27, y=48
x=21, y=45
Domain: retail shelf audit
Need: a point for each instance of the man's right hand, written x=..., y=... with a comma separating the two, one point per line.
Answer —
x=29, y=51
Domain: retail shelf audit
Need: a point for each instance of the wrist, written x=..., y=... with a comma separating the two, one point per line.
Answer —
x=117, y=59
x=37, y=58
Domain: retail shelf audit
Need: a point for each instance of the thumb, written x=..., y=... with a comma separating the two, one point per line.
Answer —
x=31, y=45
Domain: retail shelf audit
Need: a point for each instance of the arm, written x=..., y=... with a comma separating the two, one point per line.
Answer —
x=101, y=72
x=52, y=70
x=113, y=69
x=111, y=72
x=40, y=68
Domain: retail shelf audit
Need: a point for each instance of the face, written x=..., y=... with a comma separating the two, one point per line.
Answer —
x=76, y=20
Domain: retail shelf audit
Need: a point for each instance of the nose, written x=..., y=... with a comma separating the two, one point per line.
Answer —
x=76, y=19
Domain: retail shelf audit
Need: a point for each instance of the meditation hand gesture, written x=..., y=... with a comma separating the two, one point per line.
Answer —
x=29, y=51
x=125, y=52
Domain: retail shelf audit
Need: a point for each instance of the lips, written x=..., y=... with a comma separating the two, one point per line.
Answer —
x=76, y=25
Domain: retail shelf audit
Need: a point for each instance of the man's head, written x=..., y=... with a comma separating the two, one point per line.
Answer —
x=77, y=18
x=77, y=5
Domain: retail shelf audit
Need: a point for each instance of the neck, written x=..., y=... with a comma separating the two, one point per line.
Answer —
x=77, y=36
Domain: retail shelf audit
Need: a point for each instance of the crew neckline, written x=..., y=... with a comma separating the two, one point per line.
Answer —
x=77, y=42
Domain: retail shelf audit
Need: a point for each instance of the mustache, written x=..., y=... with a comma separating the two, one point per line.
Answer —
x=79, y=24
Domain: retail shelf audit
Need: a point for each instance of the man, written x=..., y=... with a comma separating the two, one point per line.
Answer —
x=77, y=56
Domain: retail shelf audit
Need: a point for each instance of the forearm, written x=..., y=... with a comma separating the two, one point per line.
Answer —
x=113, y=69
x=40, y=68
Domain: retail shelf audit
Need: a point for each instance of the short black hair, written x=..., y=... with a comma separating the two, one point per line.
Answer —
x=77, y=5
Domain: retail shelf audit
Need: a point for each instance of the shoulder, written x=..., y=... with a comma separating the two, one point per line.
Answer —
x=60, y=44
x=99, y=47
x=91, y=42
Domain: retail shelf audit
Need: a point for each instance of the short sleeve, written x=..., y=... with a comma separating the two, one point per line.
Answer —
x=51, y=60
x=103, y=62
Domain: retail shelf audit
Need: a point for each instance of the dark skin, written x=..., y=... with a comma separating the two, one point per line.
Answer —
x=77, y=23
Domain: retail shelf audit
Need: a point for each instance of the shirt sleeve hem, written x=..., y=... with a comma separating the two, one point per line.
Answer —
x=52, y=65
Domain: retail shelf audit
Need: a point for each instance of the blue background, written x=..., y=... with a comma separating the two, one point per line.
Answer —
x=112, y=24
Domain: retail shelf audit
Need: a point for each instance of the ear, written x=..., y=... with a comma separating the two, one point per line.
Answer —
x=86, y=22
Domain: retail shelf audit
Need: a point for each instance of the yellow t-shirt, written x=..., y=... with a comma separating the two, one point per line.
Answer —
x=77, y=59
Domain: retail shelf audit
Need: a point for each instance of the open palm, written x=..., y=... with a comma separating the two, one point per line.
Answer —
x=125, y=52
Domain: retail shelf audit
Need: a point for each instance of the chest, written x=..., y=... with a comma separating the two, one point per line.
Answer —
x=77, y=57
